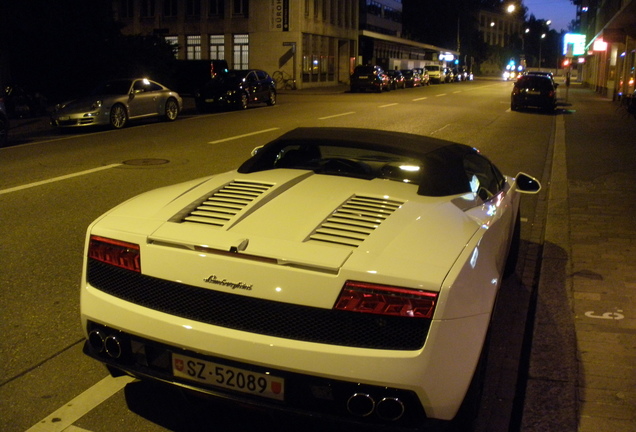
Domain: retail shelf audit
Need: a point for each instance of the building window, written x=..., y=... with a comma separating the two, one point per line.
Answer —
x=193, y=47
x=174, y=41
x=193, y=8
x=147, y=8
x=126, y=9
x=217, y=47
x=216, y=8
x=241, y=51
x=240, y=8
x=170, y=8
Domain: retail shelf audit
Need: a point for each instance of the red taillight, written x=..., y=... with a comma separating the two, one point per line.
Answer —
x=386, y=300
x=115, y=252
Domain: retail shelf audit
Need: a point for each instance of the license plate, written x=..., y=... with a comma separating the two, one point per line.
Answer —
x=63, y=118
x=363, y=77
x=534, y=92
x=219, y=375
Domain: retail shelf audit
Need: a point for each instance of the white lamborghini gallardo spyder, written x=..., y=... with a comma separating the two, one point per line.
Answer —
x=339, y=272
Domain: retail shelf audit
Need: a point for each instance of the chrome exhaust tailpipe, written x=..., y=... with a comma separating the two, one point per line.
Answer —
x=390, y=409
x=361, y=405
x=96, y=340
x=113, y=347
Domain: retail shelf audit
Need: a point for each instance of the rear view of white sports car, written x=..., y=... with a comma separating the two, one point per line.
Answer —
x=342, y=273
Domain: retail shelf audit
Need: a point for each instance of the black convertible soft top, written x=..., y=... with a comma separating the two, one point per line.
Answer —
x=442, y=161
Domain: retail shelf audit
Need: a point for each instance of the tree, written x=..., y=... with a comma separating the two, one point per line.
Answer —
x=63, y=48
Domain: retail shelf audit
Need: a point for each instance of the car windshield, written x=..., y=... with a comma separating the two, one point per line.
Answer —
x=350, y=161
x=230, y=77
x=365, y=70
x=432, y=68
x=119, y=87
x=537, y=82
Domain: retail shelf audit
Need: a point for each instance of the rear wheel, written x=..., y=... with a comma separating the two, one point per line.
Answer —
x=118, y=116
x=513, y=253
x=171, y=110
x=243, y=102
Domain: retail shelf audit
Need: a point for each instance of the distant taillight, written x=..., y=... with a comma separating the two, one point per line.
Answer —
x=386, y=300
x=114, y=252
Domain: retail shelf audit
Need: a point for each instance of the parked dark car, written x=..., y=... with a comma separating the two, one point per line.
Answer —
x=236, y=89
x=533, y=91
x=22, y=102
x=397, y=79
x=4, y=124
x=412, y=78
x=369, y=78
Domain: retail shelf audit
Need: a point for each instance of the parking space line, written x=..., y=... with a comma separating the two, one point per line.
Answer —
x=336, y=115
x=56, y=179
x=243, y=136
x=75, y=409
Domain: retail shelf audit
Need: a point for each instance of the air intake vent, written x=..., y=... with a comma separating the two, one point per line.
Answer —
x=352, y=222
x=219, y=208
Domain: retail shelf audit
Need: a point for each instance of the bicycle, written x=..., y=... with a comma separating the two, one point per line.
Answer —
x=284, y=81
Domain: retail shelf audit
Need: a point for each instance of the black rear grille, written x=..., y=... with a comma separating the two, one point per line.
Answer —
x=260, y=316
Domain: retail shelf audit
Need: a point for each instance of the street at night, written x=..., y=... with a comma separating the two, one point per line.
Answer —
x=563, y=333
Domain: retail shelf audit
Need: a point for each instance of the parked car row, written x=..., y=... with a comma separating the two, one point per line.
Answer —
x=374, y=78
x=115, y=103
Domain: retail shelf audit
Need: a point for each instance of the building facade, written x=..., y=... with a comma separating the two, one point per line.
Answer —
x=313, y=42
x=610, y=28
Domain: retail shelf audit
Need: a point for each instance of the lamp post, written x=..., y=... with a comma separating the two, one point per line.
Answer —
x=540, y=46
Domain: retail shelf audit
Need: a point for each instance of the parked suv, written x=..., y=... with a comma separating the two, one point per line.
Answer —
x=369, y=78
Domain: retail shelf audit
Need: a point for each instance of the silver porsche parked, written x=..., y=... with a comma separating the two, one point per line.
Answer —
x=116, y=102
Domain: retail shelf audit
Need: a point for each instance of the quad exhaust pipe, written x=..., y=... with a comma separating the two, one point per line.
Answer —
x=363, y=405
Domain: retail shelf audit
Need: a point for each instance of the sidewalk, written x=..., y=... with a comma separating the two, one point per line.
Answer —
x=582, y=373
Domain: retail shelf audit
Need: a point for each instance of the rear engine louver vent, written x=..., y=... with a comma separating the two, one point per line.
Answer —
x=223, y=205
x=355, y=220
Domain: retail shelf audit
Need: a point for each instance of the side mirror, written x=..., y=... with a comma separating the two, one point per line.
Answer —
x=256, y=149
x=527, y=184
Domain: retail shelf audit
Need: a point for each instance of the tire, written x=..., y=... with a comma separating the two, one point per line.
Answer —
x=171, y=111
x=243, y=102
x=118, y=116
x=272, y=98
x=513, y=252
x=4, y=131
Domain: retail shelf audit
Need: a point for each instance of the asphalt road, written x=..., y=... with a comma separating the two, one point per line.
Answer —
x=53, y=185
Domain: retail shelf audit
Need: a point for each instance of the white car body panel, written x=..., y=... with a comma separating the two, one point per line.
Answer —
x=455, y=246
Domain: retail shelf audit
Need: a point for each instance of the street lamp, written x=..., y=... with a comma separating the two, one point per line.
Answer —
x=540, y=46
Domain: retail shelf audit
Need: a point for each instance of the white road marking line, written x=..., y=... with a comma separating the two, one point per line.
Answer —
x=55, y=179
x=72, y=428
x=419, y=99
x=441, y=94
x=75, y=409
x=336, y=115
x=387, y=105
x=243, y=136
